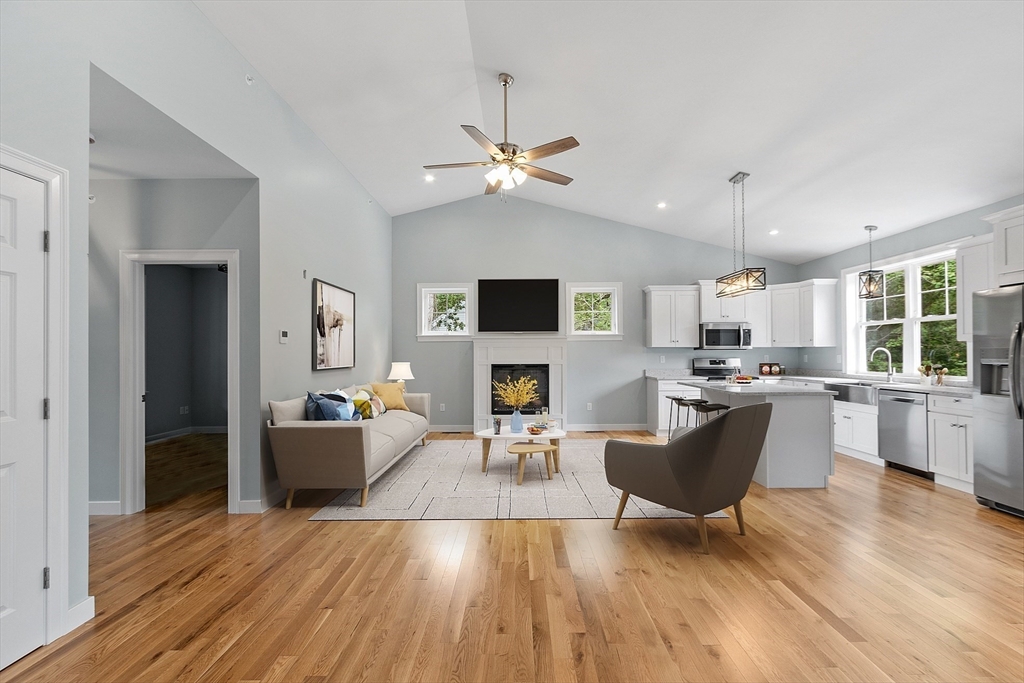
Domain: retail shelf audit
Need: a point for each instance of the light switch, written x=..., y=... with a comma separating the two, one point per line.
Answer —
x=283, y=336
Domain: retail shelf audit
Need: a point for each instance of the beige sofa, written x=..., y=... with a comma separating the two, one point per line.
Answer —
x=342, y=455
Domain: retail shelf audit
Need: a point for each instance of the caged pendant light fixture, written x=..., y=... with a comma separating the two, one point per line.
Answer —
x=745, y=280
x=871, y=282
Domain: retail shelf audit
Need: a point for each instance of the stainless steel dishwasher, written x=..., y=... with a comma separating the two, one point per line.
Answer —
x=903, y=428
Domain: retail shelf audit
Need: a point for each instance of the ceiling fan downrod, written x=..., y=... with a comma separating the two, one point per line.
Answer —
x=506, y=81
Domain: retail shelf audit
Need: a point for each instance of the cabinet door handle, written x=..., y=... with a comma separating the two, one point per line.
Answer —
x=956, y=400
x=953, y=424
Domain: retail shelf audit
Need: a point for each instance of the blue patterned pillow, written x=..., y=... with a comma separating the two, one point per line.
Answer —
x=320, y=408
x=346, y=409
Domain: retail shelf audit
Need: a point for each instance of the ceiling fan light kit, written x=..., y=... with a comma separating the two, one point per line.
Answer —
x=508, y=163
x=871, y=282
x=744, y=280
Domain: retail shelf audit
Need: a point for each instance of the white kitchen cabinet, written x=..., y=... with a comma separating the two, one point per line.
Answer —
x=951, y=441
x=659, y=407
x=720, y=310
x=1007, y=246
x=973, y=274
x=856, y=429
x=785, y=312
x=672, y=316
x=759, y=316
x=818, y=300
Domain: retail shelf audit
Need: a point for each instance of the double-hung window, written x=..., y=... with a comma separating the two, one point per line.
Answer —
x=594, y=310
x=445, y=310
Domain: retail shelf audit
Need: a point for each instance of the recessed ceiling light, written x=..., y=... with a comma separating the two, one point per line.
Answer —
x=662, y=205
x=429, y=178
x=773, y=232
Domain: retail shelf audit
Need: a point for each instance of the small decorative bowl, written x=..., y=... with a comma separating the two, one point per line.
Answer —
x=535, y=430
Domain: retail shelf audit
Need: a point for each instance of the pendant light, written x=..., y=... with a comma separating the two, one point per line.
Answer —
x=745, y=280
x=871, y=280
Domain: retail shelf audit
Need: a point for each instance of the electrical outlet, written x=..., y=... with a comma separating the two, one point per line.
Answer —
x=805, y=357
x=181, y=410
x=283, y=336
x=186, y=410
x=766, y=357
x=590, y=406
x=663, y=359
x=442, y=407
x=839, y=358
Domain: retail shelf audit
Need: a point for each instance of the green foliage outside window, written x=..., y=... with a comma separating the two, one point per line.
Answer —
x=939, y=345
x=888, y=337
x=447, y=312
x=592, y=312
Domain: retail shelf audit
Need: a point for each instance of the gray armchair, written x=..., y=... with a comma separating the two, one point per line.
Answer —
x=699, y=471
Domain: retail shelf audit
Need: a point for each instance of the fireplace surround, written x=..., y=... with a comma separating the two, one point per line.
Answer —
x=518, y=351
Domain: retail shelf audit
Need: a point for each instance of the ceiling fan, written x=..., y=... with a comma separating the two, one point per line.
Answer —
x=509, y=162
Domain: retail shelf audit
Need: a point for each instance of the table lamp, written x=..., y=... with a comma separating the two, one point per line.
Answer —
x=401, y=371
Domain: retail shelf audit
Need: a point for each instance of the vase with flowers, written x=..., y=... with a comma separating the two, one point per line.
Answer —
x=515, y=395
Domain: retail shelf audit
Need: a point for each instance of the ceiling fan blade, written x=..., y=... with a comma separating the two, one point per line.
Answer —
x=550, y=149
x=483, y=141
x=467, y=164
x=491, y=189
x=544, y=174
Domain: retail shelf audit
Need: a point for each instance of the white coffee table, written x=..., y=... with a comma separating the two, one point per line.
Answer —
x=552, y=434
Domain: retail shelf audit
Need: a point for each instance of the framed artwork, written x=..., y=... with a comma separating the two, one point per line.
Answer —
x=334, y=326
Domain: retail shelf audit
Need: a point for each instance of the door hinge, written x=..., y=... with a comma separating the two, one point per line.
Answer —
x=143, y=398
x=46, y=577
x=46, y=409
x=46, y=240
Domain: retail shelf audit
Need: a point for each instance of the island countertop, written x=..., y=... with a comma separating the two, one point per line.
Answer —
x=757, y=389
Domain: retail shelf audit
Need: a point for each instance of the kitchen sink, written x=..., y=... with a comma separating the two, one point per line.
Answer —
x=858, y=392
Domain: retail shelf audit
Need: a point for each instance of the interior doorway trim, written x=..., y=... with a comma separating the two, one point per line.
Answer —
x=133, y=367
x=59, y=617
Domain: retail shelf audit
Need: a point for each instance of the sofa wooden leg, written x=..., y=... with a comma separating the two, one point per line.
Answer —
x=703, y=529
x=423, y=441
x=622, y=506
x=288, y=500
x=363, y=496
x=739, y=518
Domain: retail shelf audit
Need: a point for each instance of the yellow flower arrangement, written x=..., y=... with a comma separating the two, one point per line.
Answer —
x=516, y=394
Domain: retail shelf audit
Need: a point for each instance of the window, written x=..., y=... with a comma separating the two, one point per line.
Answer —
x=915, y=319
x=593, y=310
x=445, y=310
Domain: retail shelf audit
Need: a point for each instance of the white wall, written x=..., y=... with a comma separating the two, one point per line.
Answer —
x=313, y=214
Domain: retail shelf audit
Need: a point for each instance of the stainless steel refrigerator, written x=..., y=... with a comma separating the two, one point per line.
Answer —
x=999, y=398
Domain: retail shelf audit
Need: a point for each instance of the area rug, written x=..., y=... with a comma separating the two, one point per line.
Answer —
x=442, y=480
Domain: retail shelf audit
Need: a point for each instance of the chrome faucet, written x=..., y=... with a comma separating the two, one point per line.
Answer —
x=888, y=373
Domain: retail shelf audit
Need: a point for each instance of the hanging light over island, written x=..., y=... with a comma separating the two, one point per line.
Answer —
x=745, y=280
x=871, y=285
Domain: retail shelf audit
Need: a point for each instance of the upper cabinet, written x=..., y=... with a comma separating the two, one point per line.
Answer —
x=818, y=300
x=973, y=274
x=724, y=310
x=1007, y=246
x=785, y=312
x=759, y=316
x=672, y=316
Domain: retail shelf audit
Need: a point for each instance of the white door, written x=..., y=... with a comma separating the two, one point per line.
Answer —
x=944, y=444
x=22, y=430
x=685, y=319
x=734, y=309
x=807, y=316
x=843, y=427
x=758, y=314
x=865, y=432
x=661, y=319
x=710, y=305
x=786, y=317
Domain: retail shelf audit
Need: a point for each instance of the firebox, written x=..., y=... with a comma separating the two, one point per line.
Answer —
x=501, y=373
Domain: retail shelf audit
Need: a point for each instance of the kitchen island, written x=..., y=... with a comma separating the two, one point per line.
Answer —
x=798, y=451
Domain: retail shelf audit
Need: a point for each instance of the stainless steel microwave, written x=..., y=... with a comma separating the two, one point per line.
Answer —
x=724, y=336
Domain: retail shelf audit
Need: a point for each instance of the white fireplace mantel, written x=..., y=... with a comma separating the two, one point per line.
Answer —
x=516, y=350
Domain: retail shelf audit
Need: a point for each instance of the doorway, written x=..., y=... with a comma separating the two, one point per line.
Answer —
x=134, y=387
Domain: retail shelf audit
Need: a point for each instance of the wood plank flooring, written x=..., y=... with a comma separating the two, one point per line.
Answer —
x=185, y=464
x=881, y=577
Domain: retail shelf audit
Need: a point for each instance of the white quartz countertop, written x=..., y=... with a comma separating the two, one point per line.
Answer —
x=685, y=376
x=756, y=389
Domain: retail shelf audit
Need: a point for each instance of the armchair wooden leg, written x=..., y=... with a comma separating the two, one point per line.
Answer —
x=703, y=529
x=622, y=506
x=288, y=500
x=739, y=517
x=363, y=496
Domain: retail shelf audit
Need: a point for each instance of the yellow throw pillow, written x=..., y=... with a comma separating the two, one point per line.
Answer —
x=391, y=394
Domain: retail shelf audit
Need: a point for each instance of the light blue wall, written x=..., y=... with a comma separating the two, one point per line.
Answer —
x=313, y=213
x=929, y=235
x=482, y=237
x=209, y=348
x=168, y=365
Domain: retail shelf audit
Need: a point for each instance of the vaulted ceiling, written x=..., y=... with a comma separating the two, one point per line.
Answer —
x=844, y=113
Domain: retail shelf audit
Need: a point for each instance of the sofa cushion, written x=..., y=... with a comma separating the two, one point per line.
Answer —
x=382, y=450
x=418, y=422
x=320, y=408
x=346, y=408
x=288, y=411
x=391, y=394
x=399, y=430
x=369, y=404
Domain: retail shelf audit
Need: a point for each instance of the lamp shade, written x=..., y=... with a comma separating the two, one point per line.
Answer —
x=401, y=371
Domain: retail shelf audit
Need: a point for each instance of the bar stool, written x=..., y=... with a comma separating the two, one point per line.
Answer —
x=693, y=403
x=680, y=402
x=706, y=409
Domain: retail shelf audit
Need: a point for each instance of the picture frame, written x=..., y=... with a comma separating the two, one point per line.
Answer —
x=334, y=326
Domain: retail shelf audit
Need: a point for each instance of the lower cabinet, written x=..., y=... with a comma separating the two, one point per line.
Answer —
x=951, y=446
x=659, y=407
x=856, y=428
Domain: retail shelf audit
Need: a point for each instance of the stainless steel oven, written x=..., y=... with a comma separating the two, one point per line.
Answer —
x=725, y=336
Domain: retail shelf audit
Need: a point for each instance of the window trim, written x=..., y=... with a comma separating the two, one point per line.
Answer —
x=854, y=352
x=425, y=288
x=615, y=288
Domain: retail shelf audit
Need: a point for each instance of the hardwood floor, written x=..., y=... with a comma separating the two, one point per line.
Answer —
x=185, y=464
x=881, y=577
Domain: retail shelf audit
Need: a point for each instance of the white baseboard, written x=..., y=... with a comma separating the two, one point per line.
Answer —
x=451, y=428
x=104, y=507
x=80, y=613
x=639, y=427
x=209, y=430
x=958, y=484
x=164, y=436
x=861, y=455
x=250, y=507
x=274, y=495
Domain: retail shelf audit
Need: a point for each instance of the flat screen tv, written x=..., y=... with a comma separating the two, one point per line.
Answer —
x=517, y=305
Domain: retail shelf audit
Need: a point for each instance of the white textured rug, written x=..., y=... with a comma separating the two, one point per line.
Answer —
x=442, y=480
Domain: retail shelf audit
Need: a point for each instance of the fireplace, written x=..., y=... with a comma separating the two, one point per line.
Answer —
x=500, y=373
